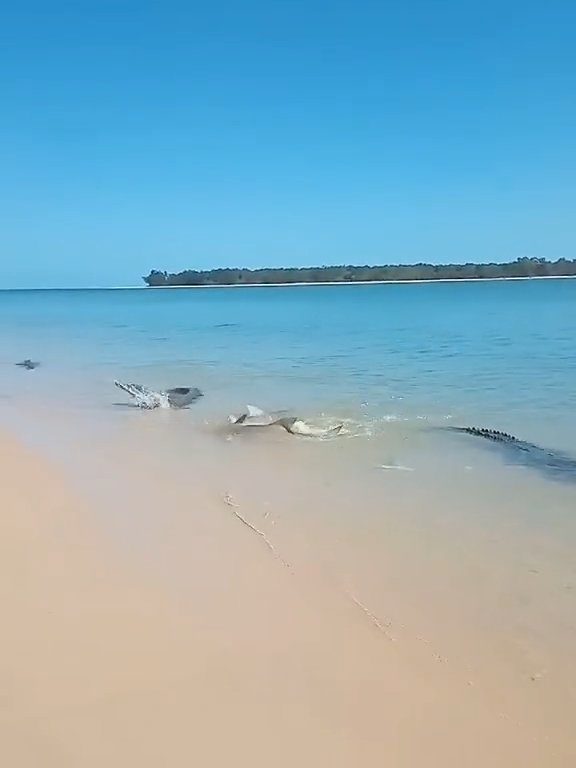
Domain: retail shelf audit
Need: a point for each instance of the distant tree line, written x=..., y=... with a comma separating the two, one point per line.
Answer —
x=523, y=267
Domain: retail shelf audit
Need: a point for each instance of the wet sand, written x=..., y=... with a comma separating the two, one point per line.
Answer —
x=204, y=646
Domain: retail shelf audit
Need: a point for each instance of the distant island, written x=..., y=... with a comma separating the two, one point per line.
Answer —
x=523, y=267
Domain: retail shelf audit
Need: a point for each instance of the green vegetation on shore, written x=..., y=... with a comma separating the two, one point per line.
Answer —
x=524, y=267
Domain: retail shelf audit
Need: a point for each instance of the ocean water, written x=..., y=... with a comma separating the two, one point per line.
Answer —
x=499, y=353
x=391, y=362
x=457, y=552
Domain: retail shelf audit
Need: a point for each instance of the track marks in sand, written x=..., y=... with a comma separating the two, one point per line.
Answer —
x=234, y=506
x=384, y=627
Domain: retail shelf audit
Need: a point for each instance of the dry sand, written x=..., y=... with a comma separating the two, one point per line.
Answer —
x=254, y=664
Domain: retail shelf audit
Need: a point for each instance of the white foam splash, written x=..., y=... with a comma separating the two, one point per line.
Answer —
x=400, y=467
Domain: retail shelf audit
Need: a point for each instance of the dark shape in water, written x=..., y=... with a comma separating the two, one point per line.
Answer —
x=256, y=417
x=178, y=397
x=28, y=364
x=554, y=464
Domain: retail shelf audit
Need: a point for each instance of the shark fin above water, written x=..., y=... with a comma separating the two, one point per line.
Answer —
x=254, y=411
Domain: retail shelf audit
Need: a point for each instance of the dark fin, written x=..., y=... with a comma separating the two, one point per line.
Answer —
x=182, y=397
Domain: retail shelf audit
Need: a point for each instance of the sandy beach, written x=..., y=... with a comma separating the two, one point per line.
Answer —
x=257, y=662
x=354, y=282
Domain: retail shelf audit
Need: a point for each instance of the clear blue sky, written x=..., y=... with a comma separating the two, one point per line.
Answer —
x=183, y=134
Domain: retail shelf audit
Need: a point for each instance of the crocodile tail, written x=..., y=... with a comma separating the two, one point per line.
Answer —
x=489, y=434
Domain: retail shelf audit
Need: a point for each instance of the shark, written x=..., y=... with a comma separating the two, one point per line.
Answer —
x=178, y=397
x=256, y=417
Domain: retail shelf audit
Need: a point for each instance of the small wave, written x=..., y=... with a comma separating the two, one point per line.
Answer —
x=399, y=467
x=353, y=427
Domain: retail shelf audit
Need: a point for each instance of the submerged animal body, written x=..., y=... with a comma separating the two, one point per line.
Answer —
x=178, y=397
x=28, y=364
x=299, y=427
x=554, y=464
x=256, y=417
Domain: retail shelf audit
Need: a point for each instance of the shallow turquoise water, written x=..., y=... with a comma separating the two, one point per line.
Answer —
x=498, y=353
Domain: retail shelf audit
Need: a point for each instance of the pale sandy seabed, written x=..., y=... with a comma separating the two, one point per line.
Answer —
x=268, y=601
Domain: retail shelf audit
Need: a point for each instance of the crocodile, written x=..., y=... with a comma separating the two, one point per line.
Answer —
x=552, y=463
